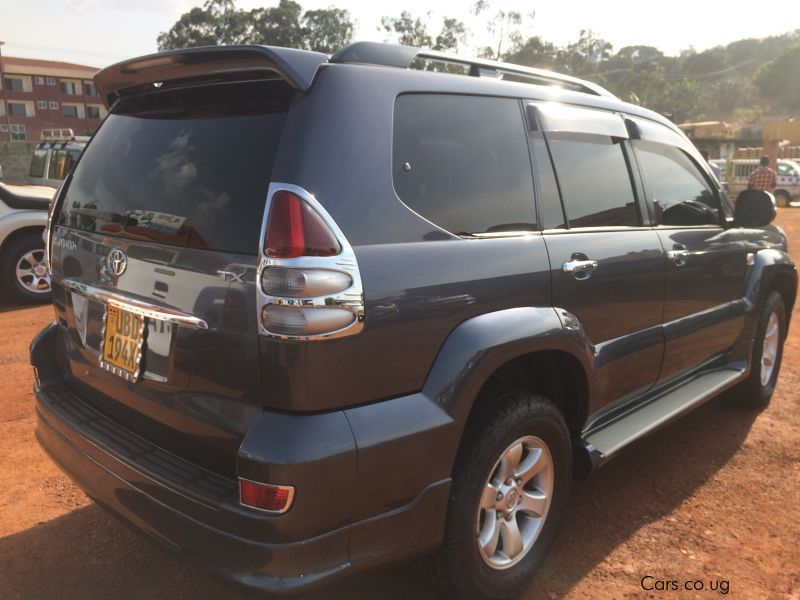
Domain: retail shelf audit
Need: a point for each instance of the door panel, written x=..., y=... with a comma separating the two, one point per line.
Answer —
x=703, y=308
x=619, y=304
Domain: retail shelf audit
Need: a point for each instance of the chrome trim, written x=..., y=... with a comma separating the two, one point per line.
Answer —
x=351, y=298
x=579, y=266
x=139, y=307
x=289, y=500
x=679, y=258
x=48, y=229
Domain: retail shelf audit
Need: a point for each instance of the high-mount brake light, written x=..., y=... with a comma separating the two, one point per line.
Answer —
x=295, y=229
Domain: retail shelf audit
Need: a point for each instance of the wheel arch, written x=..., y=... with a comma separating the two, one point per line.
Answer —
x=526, y=347
x=19, y=233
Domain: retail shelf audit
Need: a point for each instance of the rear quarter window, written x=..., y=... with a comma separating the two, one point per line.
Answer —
x=462, y=162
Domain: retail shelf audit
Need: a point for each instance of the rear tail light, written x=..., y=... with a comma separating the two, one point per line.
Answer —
x=295, y=229
x=309, y=283
x=297, y=283
x=269, y=498
x=301, y=321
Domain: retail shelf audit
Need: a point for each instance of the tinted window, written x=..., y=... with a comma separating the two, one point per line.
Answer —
x=551, y=213
x=37, y=163
x=679, y=191
x=462, y=162
x=61, y=163
x=594, y=180
x=786, y=170
x=182, y=168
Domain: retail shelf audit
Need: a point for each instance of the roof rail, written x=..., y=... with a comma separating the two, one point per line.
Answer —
x=395, y=55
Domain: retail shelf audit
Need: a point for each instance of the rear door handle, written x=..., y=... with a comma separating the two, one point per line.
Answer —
x=579, y=266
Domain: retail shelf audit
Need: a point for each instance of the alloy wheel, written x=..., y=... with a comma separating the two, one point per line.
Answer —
x=515, y=502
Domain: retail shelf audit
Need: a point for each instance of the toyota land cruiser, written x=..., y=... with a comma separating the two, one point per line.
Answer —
x=314, y=314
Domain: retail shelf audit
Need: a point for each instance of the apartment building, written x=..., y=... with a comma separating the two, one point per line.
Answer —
x=44, y=94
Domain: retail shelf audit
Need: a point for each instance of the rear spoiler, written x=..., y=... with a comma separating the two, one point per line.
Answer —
x=297, y=67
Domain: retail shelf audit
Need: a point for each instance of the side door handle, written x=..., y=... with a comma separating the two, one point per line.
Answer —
x=579, y=267
x=678, y=256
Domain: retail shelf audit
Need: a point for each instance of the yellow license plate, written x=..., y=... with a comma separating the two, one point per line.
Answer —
x=122, y=342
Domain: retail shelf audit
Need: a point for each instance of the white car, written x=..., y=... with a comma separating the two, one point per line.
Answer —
x=787, y=192
x=23, y=217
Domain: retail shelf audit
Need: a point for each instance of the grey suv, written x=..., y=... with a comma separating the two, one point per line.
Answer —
x=315, y=314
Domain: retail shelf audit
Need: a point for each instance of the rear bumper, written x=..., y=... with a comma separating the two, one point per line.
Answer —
x=196, y=512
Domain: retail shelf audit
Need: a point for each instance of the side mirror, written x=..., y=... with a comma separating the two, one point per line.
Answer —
x=754, y=208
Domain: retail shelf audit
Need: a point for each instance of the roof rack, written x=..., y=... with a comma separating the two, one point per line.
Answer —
x=62, y=135
x=395, y=55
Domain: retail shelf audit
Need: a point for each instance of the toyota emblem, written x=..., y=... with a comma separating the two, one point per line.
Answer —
x=117, y=261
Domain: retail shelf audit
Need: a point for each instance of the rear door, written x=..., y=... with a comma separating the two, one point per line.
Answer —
x=607, y=264
x=706, y=263
x=154, y=254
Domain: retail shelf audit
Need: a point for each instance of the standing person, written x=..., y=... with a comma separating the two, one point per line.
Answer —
x=763, y=178
x=714, y=168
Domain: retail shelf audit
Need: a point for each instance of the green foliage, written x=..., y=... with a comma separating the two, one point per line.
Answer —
x=220, y=22
x=723, y=82
x=407, y=30
x=327, y=30
x=778, y=80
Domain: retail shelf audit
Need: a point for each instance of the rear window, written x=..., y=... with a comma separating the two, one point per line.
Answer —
x=37, y=163
x=185, y=167
x=462, y=162
x=595, y=184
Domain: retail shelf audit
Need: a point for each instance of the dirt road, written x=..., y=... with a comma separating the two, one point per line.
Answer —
x=713, y=498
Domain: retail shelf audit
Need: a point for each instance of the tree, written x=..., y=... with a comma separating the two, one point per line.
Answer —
x=452, y=35
x=218, y=22
x=411, y=31
x=503, y=25
x=278, y=25
x=534, y=52
x=407, y=30
x=327, y=30
x=778, y=81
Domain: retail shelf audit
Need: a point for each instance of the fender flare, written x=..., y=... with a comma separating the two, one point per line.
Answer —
x=768, y=264
x=479, y=346
x=19, y=220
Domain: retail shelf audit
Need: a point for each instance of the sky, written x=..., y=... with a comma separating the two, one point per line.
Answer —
x=101, y=32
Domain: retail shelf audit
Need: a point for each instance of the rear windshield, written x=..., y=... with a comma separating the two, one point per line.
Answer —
x=181, y=167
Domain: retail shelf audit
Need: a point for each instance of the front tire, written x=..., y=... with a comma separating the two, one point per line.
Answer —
x=783, y=199
x=756, y=391
x=24, y=273
x=509, y=491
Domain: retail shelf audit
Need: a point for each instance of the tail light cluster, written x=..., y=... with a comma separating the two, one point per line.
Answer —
x=310, y=286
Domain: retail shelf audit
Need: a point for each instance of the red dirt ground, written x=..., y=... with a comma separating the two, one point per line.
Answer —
x=714, y=497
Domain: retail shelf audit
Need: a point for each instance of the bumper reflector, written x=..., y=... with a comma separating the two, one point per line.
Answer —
x=269, y=498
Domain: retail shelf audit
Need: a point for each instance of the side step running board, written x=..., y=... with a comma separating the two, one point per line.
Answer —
x=604, y=442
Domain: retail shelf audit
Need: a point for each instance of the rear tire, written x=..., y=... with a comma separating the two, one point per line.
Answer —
x=510, y=487
x=756, y=391
x=23, y=271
